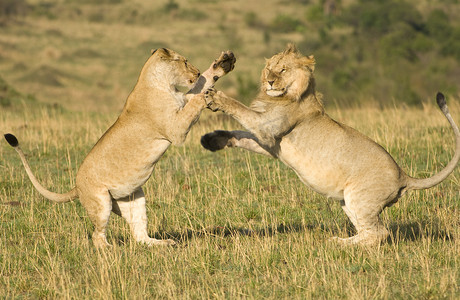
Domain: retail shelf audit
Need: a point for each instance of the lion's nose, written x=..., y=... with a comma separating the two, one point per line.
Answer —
x=270, y=82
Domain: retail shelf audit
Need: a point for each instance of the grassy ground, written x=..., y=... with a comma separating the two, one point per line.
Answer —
x=246, y=226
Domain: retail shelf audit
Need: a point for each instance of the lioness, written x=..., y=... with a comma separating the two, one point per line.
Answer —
x=287, y=121
x=155, y=116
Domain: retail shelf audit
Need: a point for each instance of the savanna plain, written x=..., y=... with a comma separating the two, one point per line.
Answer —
x=245, y=226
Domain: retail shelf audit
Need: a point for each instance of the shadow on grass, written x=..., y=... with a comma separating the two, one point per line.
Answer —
x=219, y=231
x=412, y=231
x=224, y=231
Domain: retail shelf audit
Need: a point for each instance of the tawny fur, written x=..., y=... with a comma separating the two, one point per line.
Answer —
x=155, y=116
x=287, y=121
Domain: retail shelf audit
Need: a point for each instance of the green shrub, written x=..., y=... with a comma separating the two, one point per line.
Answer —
x=96, y=17
x=252, y=20
x=9, y=8
x=452, y=45
x=399, y=44
x=192, y=14
x=95, y=2
x=342, y=79
x=247, y=88
x=285, y=24
x=171, y=6
x=6, y=93
x=438, y=25
x=381, y=16
x=315, y=13
x=9, y=96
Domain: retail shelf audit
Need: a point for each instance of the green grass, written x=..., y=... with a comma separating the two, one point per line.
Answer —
x=246, y=226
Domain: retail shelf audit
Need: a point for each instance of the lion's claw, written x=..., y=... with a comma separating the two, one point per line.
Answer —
x=209, y=98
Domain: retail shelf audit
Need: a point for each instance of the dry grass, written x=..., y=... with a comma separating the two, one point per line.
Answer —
x=246, y=226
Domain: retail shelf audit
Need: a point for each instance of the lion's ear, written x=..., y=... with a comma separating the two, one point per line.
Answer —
x=152, y=52
x=163, y=53
x=309, y=62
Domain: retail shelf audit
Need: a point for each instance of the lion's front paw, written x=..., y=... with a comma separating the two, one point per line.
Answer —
x=210, y=98
x=224, y=64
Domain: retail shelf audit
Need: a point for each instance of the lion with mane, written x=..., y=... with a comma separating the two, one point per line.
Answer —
x=287, y=121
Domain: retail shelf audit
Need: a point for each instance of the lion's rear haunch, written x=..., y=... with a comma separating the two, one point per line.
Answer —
x=11, y=139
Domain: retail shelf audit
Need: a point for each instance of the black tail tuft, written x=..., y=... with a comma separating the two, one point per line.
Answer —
x=12, y=140
x=441, y=100
x=216, y=140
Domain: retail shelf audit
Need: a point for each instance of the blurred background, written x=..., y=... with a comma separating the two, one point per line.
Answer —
x=86, y=55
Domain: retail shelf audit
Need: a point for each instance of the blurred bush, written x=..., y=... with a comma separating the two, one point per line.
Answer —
x=378, y=17
x=9, y=97
x=9, y=8
x=286, y=23
x=247, y=88
x=378, y=49
x=385, y=49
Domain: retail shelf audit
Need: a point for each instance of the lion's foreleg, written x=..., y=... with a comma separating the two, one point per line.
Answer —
x=183, y=119
x=263, y=129
x=219, y=67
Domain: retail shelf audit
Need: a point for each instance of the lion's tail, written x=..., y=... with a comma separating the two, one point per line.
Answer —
x=66, y=197
x=420, y=184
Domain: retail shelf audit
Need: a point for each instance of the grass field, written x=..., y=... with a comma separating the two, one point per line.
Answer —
x=246, y=226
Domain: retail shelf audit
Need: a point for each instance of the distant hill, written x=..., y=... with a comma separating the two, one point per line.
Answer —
x=9, y=97
x=87, y=54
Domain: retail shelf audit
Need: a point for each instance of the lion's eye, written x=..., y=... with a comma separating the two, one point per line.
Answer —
x=185, y=62
x=283, y=70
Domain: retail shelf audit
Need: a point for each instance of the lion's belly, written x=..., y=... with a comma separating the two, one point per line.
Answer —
x=313, y=172
x=125, y=172
x=129, y=181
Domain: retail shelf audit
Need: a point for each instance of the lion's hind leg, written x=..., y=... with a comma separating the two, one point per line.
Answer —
x=132, y=209
x=365, y=218
x=98, y=207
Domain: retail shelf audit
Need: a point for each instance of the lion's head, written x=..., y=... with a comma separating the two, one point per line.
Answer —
x=168, y=66
x=288, y=74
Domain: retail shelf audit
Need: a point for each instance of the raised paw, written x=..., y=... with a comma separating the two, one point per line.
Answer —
x=216, y=140
x=224, y=64
x=209, y=98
